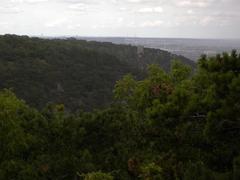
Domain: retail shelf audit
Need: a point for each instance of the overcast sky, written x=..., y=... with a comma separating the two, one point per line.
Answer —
x=128, y=18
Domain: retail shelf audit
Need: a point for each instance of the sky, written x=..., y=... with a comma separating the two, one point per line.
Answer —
x=122, y=18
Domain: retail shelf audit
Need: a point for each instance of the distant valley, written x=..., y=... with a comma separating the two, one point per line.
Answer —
x=190, y=48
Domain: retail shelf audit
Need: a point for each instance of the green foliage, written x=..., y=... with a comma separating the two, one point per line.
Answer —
x=124, y=88
x=194, y=116
x=180, y=71
x=17, y=137
x=197, y=171
x=167, y=126
x=76, y=73
x=98, y=176
x=151, y=172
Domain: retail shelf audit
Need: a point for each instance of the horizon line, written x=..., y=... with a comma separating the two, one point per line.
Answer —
x=130, y=37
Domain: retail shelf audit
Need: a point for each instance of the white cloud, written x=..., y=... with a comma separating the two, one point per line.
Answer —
x=29, y=1
x=122, y=17
x=4, y=24
x=190, y=11
x=151, y=10
x=10, y=10
x=194, y=3
x=151, y=24
x=206, y=21
x=134, y=1
x=56, y=23
x=120, y=20
x=78, y=7
x=123, y=9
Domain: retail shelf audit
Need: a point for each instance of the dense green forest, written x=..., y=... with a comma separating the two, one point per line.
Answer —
x=76, y=73
x=175, y=125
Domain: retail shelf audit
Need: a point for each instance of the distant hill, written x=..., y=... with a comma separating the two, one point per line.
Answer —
x=77, y=73
x=129, y=53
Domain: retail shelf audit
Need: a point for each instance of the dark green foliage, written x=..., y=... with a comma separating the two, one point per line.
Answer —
x=151, y=172
x=76, y=73
x=197, y=171
x=98, y=176
x=193, y=118
x=35, y=145
x=236, y=168
x=169, y=126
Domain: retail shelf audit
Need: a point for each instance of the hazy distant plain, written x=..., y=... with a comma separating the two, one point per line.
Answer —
x=190, y=48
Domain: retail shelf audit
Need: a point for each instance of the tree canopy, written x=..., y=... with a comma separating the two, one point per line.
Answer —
x=178, y=125
x=76, y=73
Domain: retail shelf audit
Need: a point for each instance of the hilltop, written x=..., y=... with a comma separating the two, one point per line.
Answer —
x=76, y=73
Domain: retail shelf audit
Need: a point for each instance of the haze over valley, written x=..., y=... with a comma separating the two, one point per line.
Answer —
x=190, y=48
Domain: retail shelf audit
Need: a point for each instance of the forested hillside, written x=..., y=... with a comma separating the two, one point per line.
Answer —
x=78, y=74
x=178, y=125
x=129, y=54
